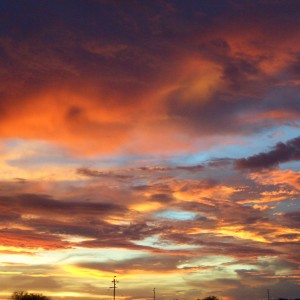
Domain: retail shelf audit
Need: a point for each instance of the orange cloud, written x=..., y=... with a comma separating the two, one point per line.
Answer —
x=279, y=177
x=202, y=191
x=20, y=240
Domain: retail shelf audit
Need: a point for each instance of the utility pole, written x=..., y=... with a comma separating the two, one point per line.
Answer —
x=154, y=294
x=268, y=291
x=115, y=281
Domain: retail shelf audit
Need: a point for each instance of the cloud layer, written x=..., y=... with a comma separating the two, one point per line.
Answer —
x=102, y=86
x=156, y=141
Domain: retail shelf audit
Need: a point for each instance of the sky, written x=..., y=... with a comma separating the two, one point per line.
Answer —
x=156, y=141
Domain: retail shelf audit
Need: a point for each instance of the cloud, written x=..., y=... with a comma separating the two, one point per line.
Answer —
x=292, y=218
x=47, y=223
x=39, y=204
x=27, y=239
x=115, y=114
x=93, y=173
x=281, y=153
x=146, y=264
x=94, y=88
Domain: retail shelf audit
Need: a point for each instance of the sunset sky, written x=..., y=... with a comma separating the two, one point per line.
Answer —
x=156, y=141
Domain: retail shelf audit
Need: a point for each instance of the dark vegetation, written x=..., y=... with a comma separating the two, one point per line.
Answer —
x=27, y=296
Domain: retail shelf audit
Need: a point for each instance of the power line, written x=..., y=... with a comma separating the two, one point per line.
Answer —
x=115, y=281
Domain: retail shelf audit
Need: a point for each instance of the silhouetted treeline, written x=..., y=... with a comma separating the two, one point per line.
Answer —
x=28, y=296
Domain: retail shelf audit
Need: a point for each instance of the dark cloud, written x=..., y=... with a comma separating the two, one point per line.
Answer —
x=162, y=198
x=34, y=203
x=293, y=219
x=194, y=168
x=99, y=174
x=91, y=228
x=281, y=153
x=224, y=245
x=42, y=43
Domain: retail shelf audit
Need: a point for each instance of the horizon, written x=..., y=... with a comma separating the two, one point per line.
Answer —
x=156, y=141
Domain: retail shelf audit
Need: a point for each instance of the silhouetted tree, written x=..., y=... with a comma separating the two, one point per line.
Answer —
x=211, y=298
x=28, y=296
